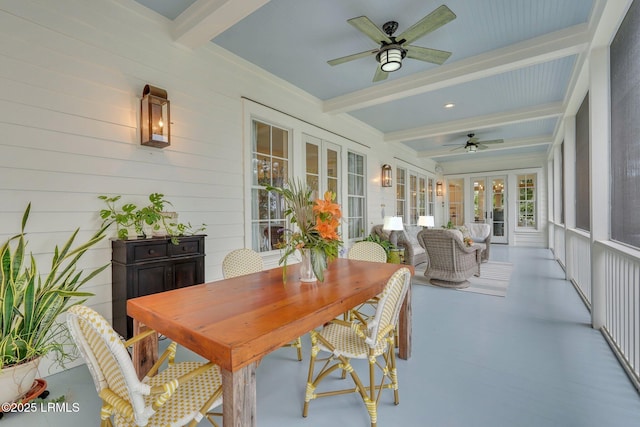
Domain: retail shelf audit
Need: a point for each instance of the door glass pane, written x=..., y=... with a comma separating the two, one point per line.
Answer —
x=400, y=193
x=280, y=142
x=313, y=168
x=332, y=172
x=356, y=199
x=430, y=198
x=456, y=202
x=262, y=139
x=270, y=167
x=422, y=196
x=413, y=199
x=497, y=200
x=479, y=200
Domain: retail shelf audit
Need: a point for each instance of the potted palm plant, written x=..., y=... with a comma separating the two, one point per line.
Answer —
x=30, y=304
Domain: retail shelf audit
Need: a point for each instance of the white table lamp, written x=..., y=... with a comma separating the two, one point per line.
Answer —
x=393, y=224
x=427, y=221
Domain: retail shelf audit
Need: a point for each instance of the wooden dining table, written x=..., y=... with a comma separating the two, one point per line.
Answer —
x=236, y=322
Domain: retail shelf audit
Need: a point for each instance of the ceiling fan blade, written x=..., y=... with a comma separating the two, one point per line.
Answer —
x=380, y=75
x=348, y=58
x=482, y=146
x=492, y=141
x=458, y=148
x=426, y=54
x=436, y=19
x=372, y=31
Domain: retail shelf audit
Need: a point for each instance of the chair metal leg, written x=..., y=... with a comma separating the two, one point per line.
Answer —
x=309, y=394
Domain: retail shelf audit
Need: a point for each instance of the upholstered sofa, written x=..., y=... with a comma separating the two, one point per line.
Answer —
x=450, y=261
x=414, y=254
x=481, y=236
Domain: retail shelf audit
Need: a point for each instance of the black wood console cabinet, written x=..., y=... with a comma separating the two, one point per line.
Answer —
x=147, y=266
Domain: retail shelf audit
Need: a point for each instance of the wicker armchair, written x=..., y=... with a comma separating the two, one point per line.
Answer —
x=481, y=236
x=450, y=261
x=414, y=254
x=182, y=394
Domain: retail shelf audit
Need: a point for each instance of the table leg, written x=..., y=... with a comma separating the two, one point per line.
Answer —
x=239, y=397
x=404, y=326
x=145, y=352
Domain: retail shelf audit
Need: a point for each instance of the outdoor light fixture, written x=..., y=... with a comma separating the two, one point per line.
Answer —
x=385, y=176
x=439, y=188
x=155, y=125
x=391, y=58
x=427, y=221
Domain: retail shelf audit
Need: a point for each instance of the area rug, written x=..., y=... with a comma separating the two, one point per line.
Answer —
x=493, y=280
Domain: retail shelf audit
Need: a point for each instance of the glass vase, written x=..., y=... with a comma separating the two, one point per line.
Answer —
x=306, y=269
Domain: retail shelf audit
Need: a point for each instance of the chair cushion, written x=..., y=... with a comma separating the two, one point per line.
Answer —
x=456, y=234
x=185, y=401
x=478, y=232
x=347, y=343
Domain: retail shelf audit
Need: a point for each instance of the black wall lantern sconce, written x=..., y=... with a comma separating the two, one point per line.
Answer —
x=439, y=189
x=155, y=122
x=385, y=176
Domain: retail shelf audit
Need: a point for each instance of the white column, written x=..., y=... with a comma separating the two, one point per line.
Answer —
x=600, y=124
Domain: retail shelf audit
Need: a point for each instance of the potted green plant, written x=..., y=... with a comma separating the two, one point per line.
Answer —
x=386, y=244
x=30, y=304
x=153, y=215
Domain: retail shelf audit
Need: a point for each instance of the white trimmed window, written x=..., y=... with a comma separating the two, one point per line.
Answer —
x=270, y=158
x=527, y=201
x=355, y=214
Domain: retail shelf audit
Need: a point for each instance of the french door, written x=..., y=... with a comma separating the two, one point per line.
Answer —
x=322, y=166
x=490, y=205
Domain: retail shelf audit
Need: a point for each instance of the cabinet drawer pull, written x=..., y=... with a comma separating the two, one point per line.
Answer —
x=151, y=251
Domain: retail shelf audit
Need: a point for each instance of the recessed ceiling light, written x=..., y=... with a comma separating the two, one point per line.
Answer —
x=449, y=105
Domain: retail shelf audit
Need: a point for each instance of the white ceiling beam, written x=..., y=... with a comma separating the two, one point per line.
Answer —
x=476, y=123
x=205, y=19
x=559, y=44
x=508, y=144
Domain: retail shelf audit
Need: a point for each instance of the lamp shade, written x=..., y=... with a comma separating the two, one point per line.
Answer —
x=391, y=58
x=392, y=223
x=427, y=221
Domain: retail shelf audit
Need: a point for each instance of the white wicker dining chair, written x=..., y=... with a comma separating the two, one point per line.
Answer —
x=372, y=252
x=371, y=340
x=182, y=394
x=246, y=261
x=240, y=262
x=367, y=251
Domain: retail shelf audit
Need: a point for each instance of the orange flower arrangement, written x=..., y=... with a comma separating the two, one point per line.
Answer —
x=317, y=224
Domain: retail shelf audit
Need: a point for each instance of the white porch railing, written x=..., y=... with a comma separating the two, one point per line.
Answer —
x=578, y=262
x=622, y=287
x=559, y=243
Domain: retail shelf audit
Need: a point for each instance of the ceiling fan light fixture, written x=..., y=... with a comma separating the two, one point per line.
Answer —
x=472, y=148
x=391, y=59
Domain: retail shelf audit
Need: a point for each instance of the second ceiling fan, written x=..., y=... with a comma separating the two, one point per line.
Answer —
x=473, y=144
x=393, y=49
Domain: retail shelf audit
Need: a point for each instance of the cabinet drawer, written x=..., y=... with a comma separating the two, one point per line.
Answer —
x=150, y=251
x=185, y=247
